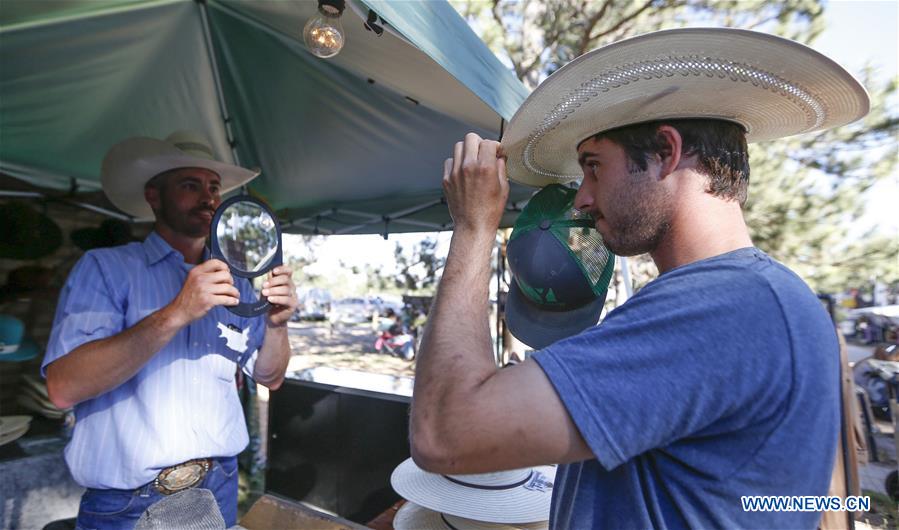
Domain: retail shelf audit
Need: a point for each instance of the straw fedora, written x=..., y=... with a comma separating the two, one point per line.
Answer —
x=771, y=86
x=511, y=497
x=110, y=233
x=14, y=345
x=414, y=517
x=27, y=233
x=13, y=427
x=131, y=163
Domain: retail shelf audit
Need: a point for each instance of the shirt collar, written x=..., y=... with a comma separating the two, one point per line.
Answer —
x=157, y=249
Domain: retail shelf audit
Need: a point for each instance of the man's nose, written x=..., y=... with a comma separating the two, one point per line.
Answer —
x=208, y=196
x=583, y=199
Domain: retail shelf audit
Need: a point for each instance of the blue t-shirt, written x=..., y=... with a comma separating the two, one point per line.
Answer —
x=720, y=379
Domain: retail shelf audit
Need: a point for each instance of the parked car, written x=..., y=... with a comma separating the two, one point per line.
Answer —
x=351, y=311
x=314, y=304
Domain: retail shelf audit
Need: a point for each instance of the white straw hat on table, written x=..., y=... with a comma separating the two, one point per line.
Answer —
x=773, y=87
x=510, y=497
x=414, y=517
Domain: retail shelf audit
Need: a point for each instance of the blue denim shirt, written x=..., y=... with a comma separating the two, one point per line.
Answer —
x=183, y=403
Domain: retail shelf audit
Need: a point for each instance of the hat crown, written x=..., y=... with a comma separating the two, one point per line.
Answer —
x=191, y=143
x=11, y=331
x=511, y=478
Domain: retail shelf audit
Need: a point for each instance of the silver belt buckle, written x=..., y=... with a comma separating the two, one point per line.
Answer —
x=182, y=476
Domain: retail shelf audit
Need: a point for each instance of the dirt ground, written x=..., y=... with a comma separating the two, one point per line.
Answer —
x=349, y=346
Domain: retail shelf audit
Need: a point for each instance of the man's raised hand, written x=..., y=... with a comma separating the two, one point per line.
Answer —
x=474, y=181
x=208, y=284
x=282, y=294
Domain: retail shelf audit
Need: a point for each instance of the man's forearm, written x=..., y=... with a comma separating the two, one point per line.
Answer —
x=273, y=357
x=102, y=365
x=456, y=355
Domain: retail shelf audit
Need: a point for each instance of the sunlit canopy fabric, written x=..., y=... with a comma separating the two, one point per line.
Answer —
x=352, y=144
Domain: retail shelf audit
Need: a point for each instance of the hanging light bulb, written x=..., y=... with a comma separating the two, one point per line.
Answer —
x=323, y=33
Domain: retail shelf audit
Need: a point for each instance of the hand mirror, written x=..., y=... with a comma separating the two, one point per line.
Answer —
x=246, y=235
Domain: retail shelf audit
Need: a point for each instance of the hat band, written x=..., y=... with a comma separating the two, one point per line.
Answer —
x=491, y=488
x=447, y=523
x=9, y=348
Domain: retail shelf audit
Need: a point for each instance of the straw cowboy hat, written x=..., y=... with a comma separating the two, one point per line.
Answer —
x=110, y=233
x=13, y=427
x=510, y=497
x=773, y=87
x=27, y=233
x=414, y=517
x=131, y=163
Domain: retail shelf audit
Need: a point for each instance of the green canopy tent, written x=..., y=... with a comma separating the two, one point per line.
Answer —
x=351, y=144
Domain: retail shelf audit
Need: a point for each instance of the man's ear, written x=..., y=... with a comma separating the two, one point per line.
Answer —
x=152, y=196
x=670, y=154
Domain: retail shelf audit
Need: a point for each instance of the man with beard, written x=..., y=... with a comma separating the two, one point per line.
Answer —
x=715, y=382
x=137, y=346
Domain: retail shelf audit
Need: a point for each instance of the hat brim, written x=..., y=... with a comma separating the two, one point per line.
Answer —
x=13, y=427
x=130, y=164
x=436, y=492
x=28, y=234
x=538, y=328
x=92, y=237
x=773, y=87
x=414, y=517
x=27, y=350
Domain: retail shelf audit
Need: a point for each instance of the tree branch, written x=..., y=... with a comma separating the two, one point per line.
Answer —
x=591, y=23
x=623, y=21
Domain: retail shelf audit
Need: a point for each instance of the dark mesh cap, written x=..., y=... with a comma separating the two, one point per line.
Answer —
x=560, y=267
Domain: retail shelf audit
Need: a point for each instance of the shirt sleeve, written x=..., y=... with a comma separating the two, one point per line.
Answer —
x=87, y=311
x=671, y=364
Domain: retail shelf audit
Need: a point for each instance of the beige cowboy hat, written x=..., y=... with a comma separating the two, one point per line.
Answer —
x=13, y=427
x=414, y=517
x=508, y=497
x=773, y=87
x=131, y=163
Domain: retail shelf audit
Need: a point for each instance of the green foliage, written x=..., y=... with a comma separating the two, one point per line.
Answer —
x=539, y=36
x=806, y=192
x=419, y=272
x=299, y=251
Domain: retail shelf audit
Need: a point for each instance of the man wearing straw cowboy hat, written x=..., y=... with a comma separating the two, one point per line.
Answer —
x=136, y=346
x=716, y=381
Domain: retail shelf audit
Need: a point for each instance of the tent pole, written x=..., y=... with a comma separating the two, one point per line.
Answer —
x=84, y=205
x=395, y=216
x=216, y=77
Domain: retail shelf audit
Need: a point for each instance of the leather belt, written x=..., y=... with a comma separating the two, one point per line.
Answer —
x=182, y=476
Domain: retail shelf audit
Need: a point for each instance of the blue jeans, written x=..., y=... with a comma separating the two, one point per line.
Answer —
x=120, y=509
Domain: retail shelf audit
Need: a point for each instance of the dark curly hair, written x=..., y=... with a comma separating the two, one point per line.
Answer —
x=719, y=146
